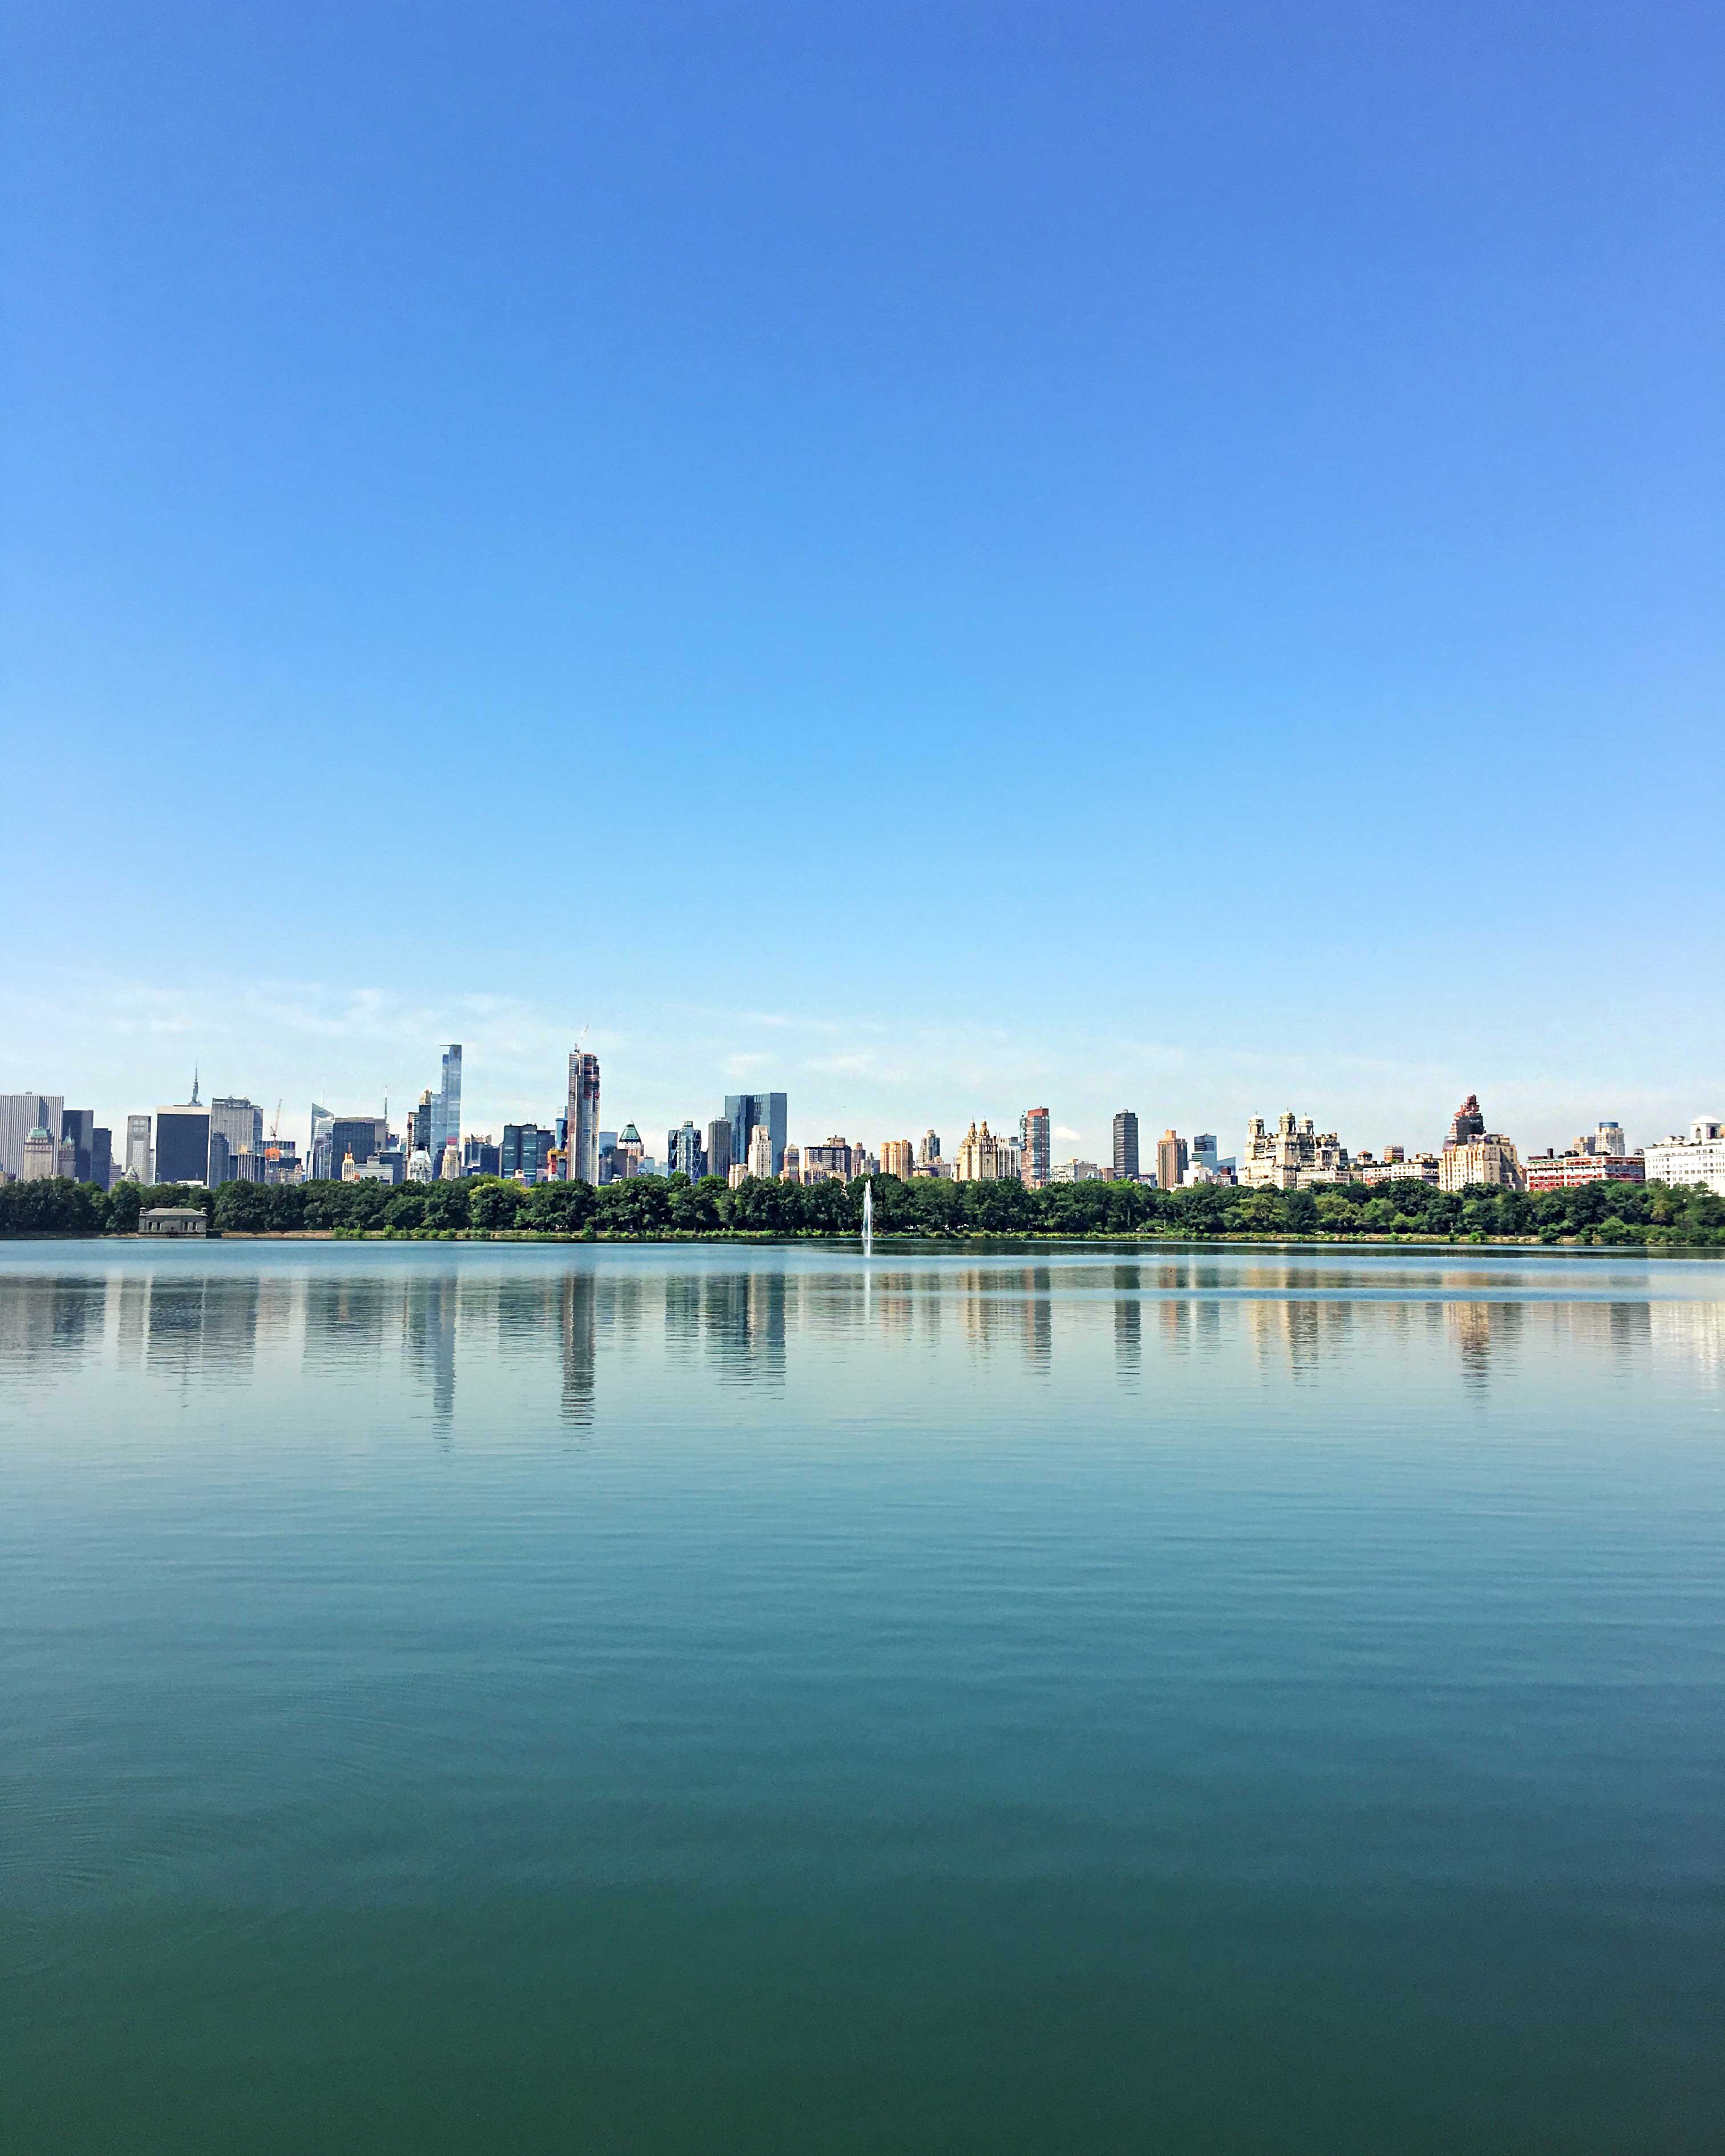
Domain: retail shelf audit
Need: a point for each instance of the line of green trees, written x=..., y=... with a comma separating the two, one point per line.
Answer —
x=1623, y=1213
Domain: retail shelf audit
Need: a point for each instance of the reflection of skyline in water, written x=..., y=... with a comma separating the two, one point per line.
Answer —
x=750, y=1322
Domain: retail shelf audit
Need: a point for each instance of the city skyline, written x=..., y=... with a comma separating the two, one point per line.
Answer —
x=1542, y=1116
x=231, y=1126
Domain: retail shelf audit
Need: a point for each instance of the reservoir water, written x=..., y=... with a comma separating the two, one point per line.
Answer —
x=477, y=1697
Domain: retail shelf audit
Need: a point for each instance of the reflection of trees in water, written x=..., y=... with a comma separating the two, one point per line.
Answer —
x=196, y=1324
x=1298, y=1333
x=622, y=1304
x=48, y=1320
x=735, y=1319
x=1007, y=1308
x=345, y=1318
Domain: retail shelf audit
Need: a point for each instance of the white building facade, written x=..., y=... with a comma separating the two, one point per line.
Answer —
x=1698, y=1158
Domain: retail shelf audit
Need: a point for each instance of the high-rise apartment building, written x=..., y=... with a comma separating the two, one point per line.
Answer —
x=446, y=1102
x=1033, y=1148
x=1467, y=1122
x=834, y=1162
x=744, y=1111
x=1170, y=1159
x=140, y=1154
x=759, y=1156
x=581, y=1152
x=984, y=1158
x=1473, y=1154
x=1295, y=1156
x=928, y=1149
x=21, y=1113
x=102, y=1158
x=718, y=1147
x=1699, y=1159
x=1125, y=1147
x=684, y=1152
x=898, y=1157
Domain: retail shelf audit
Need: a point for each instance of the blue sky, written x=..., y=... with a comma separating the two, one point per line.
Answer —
x=940, y=558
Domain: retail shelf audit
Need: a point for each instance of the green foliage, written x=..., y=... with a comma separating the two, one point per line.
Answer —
x=1614, y=1214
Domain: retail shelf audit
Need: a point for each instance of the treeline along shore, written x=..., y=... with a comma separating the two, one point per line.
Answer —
x=649, y=1206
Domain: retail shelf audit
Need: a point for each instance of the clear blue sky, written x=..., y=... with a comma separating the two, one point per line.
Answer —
x=937, y=557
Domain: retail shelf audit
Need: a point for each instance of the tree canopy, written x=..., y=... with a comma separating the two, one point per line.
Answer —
x=1652, y=1213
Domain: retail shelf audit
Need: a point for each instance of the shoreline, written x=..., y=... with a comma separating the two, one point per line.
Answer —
x=765, y=1237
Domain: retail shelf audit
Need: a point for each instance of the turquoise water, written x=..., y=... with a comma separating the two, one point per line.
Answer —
x=470, y=1698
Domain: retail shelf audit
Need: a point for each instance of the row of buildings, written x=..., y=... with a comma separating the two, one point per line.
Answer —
x=224, y=1140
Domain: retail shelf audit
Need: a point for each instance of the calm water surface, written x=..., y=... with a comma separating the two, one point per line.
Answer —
x=479, y=1698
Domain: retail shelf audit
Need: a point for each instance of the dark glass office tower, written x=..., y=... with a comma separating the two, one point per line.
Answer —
x=182, y=1144
x=747, y=1111
x=79, y=1125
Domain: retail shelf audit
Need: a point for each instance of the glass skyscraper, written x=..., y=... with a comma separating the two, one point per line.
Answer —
x=744, y=1111
x=446, y=1106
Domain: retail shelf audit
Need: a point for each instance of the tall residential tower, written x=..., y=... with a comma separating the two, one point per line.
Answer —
x=581, y=1151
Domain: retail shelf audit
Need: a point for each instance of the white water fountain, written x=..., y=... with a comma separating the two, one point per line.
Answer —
x=869, y=1217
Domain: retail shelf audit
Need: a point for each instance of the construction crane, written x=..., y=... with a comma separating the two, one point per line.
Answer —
x=275, y=1127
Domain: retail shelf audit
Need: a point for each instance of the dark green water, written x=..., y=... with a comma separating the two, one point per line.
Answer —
x=482, y=1699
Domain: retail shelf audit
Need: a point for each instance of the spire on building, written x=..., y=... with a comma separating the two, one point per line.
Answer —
x=194, y=1085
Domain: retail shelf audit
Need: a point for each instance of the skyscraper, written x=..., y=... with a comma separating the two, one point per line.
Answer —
x=322, y=1164
x=747, y=1110
x=1033, y=1148
x=102, y=1158
x=1125, y=1147
x=718, y=1148
x=182, y=1142
x=140, y=1155
x=526, y=1151
x=897, y=1157
x=684, y=1153
x=582, y=1119
x=79, y=1125
x=41, y=1156
x=1171, y=1161
x=21, y=1113
x=241, y=1123
x=361, y=1136
x=446, y=1103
